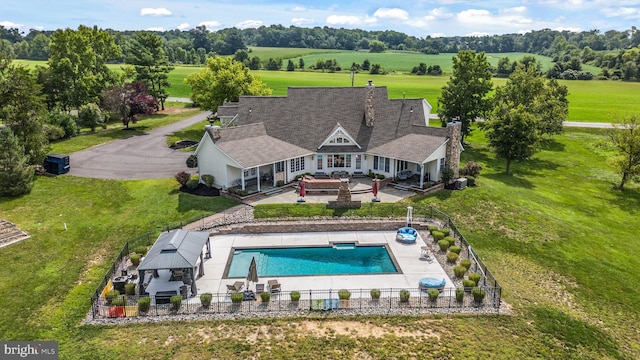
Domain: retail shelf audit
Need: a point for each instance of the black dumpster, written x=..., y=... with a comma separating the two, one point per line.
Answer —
x=57, y=164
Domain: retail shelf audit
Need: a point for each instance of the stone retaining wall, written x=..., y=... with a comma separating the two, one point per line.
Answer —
x=320, y=226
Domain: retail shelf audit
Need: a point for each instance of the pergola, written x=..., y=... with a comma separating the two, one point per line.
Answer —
x=177, y=250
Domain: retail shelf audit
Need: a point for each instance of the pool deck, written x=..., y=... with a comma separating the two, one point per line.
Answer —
x=407, y=256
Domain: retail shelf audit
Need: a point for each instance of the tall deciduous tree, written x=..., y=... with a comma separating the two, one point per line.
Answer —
x=16, y=176
x=625, y=138
x=223, y=79
x=77, y=63
x=465, y=97
x=128, y=101
x=145, y=52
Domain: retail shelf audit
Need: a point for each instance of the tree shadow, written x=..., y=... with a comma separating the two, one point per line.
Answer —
x=627, y=200
x=510, y=180
x=552, y=145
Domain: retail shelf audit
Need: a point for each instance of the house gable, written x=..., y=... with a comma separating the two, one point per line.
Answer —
x=339, y=137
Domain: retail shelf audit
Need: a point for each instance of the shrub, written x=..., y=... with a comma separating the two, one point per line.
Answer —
x=433, y=294
x=404, y=295
x=265, y=296
x=466, y=263
x=182, y=178
x=471, y=181
x=432, y=228
x=205, y=300
x=478, y=294
x=445, y=231
x=192, y=184
x=455, y=249
x=176, y=302
x=144, y=304
x=280, y=183
x=450, y=239
x=459, y=271
x=443, y=244
x=472, y=168
x=459, y=295
x=130, y=288
x=208, y=180
x=135, y=259
x=140, y=250
x=375, y=294
x=110, y=295
x=295, y=296
x=380, y=176
x=452, y=257
x=119, y=300
x=475, y=277
x=344, y=294
x=437, y=235
x=237, y=298
x=192, y=161
x=468, y=284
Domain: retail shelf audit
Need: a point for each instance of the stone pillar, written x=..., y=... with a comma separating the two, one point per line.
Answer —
x=369, y=113
x=452, y=158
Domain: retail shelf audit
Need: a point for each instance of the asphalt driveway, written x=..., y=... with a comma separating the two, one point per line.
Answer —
x=137, y=157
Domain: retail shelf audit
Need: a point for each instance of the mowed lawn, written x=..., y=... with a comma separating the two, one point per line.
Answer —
x=562, y=243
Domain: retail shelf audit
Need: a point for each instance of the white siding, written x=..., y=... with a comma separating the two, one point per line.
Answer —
x=212, y=161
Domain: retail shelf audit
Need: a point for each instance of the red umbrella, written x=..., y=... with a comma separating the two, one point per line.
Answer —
x=374, y=188
x=303, y=190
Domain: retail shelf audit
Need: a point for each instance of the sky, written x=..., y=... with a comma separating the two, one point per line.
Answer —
x=420, y=18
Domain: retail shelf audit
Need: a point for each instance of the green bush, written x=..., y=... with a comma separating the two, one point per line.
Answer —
x=207, y=180
x=445, y=231
x=192, y=184
x=142, y=250
x=437, y=235
x=466, y=263
x=450, y=239
x=120, y=300
x=478, y=294
x=433, y=294
x=176, y=302
x=280, y=183
x=459, y=271
x=265, y=296
x=455, y=249
x=471, y=181
x=182, y=178
x=237, y=298
x=144, y=304
x=404, y=295
x=475, y=277
x=468, y=284
x=380, y=176
x=110, y=295
x=135, y=259
x=295, y=296
x=192, y=161
x=205, y=300
x=443, y=244
x=432, y=228
x=452, y=257
x=130, y=288
x=459, y=295
x=375, y=294
x=344, y=294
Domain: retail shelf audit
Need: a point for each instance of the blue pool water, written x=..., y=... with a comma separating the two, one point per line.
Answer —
x=298, y=261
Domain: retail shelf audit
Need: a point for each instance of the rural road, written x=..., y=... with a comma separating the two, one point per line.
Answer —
x=137, y=157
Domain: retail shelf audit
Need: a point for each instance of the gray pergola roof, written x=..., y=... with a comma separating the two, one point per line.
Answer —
x=178, y=249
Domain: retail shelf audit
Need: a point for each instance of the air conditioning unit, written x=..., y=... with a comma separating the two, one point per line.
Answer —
x=461, y=183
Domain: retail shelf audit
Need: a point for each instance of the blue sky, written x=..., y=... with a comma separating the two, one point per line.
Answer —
x=418, y=17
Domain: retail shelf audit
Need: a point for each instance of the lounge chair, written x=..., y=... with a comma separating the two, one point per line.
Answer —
x=235, y=287
x=274, y=286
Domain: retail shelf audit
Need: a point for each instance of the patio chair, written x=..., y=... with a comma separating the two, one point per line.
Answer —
x=259, y=288
x=235, y=287
x=274, y=286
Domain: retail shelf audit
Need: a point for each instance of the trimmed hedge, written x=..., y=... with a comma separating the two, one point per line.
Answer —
x=130, y=288
x=265, y=296
x=466, y=263
x=375, y=294
x=237, y=298
x=437, y=235
x=344, y=294
x=135, y=259
x=176, y=302
x=452, y=257
x=459, y=295
x=455, y=249
x=404, y=295
x=433, y=294
x=468, y=283
x=478, y=294
x=295, y=295
x=445, y=231
x=443, y=244
x=144, y=304
x=205, y=300
x=475, y=277
x=459, y=271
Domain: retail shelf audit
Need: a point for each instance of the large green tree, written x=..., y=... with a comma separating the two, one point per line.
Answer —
x=77, y=63
x=465, y=97
x=146, y=54
x=625, y=139
x=16, y=176
x=223, y=79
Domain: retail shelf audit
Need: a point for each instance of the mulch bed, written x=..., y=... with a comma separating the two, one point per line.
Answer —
x=201, y=190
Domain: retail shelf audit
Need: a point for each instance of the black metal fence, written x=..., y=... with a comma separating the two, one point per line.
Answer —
x=361, y=300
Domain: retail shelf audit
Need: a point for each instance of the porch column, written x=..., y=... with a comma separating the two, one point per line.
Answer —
x=258, y=172
x=421, y=175
x=274, y=174
x=242, y=177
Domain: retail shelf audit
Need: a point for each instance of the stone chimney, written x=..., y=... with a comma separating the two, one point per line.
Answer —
x=369, y=113
x=215, y=132
x=452, y=160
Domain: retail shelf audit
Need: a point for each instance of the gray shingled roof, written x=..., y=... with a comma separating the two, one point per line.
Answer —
x=178, y=249
x=297, y=125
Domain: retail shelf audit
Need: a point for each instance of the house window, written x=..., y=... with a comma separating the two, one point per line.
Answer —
x=297, y=164
x=348, y=160
x=358, y=162
x=442, y=163
x=280, y=166
x=319, y=162
x=338, y=161
x=329, y=161
x=381, y=163
x=339, y=140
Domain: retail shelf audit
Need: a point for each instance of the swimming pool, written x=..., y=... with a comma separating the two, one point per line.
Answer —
x=299, y=261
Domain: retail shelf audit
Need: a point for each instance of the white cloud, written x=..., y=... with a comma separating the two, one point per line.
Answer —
x=183, y=26
x=343, y=20
x=514, y=11
x=623, y=12
x=477, y=34
x=247, y=24
x=9, y=24
x=394, y=13
x=566, y=28
x=505, y=19
x=210, y=24
x=298, y=9
x=155, y=29
x=437, y=35
x=301, y=21
x=154, y=12
x=440, y=13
